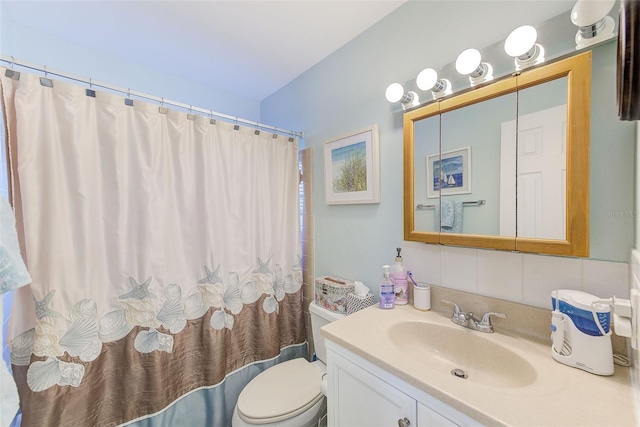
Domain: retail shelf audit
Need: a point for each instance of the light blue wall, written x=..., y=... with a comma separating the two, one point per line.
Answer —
x=37, y=47
x=612, y=165
x=345, y=92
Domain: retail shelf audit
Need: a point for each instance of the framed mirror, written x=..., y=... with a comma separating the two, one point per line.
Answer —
x=505, y=165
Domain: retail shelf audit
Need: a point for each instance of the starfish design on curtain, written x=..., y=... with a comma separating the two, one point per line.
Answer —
x=211, y=277
x=263, y=267
x=42, y=306
x=139, y=291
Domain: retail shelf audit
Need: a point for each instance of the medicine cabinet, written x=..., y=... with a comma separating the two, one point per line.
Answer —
x=504, y=165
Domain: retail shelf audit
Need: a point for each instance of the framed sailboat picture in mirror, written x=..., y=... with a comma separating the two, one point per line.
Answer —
x=449, y=173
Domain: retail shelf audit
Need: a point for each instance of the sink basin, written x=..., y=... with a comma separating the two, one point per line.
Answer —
x=445, y=348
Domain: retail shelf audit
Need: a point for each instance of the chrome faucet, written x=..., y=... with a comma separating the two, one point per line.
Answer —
x=469, y=320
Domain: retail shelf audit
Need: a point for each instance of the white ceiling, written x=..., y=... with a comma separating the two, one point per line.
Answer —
x=251, y=48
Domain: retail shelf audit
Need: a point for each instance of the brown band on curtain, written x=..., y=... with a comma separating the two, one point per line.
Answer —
x=117, y=386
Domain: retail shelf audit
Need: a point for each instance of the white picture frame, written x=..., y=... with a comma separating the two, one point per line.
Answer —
x=352, y=168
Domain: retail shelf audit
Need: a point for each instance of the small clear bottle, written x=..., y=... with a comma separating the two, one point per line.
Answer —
x=387, y=295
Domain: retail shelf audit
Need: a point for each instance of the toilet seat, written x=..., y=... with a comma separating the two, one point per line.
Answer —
x=280, y=392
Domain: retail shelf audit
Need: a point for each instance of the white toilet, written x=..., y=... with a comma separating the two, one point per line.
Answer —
x=288, y=394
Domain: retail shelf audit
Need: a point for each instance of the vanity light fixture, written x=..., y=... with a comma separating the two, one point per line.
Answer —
x=396, y=93
x=593, y=22
x=428, y=80
x=521, y=44
x=469, y=63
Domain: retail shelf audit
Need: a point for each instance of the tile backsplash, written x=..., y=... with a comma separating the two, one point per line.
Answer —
x=517, y=277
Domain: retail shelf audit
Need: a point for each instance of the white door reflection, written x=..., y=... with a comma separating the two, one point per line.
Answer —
x=541, y=174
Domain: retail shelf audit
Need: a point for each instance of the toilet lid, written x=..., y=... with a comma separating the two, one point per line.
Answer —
x=280, y=392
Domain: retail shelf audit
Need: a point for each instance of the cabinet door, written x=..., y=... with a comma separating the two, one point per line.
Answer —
x=360, y=399
x=430, y=418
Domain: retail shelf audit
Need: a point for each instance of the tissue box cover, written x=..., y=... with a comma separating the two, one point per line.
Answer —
x=356, y=302
x=331, y=293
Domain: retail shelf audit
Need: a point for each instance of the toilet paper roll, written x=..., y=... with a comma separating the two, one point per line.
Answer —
x=323, y=386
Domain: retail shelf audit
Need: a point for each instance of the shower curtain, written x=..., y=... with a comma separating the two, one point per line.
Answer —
x=165, y=256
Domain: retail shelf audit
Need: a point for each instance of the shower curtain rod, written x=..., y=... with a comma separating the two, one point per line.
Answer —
x=162, y=101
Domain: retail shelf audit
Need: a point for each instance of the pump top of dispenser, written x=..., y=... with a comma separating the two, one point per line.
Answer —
x=399, y=257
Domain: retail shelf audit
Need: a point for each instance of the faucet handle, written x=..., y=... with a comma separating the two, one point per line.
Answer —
x=456, y=309
x=486, y=318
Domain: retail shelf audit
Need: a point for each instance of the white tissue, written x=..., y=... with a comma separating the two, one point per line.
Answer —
x=360, y=289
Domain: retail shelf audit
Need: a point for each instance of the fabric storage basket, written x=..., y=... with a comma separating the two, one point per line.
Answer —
x=356, y=302
x=331, y=293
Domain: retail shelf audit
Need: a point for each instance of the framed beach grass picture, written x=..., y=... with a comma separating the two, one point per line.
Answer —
x=351, y=168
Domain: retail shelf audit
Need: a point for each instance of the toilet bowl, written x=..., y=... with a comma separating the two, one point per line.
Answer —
x=289, y=393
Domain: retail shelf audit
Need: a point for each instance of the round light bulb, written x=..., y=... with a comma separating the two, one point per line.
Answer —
x=394, y=92
x=468, y=61
x=427, y=79
x=587, y=12
x=520, y=41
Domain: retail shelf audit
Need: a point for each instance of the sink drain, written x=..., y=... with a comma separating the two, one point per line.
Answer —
x=459, y=373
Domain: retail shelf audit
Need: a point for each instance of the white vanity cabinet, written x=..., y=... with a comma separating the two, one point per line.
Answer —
x=361, y=394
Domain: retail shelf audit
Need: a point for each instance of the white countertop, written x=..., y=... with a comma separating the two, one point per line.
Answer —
x=558, y=396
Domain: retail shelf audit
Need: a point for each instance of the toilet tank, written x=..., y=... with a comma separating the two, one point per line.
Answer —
x=320, y=317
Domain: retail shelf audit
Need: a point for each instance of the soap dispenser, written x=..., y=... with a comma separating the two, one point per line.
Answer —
x=399, y=279
x=386, y=290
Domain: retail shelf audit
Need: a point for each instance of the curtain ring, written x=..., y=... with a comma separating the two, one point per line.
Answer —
x=13, y=61
x=128, y=92
x=190, y=115
x=45, y=70
x=90, y=83
x=162, y=109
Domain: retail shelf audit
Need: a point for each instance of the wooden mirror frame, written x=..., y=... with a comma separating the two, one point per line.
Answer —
x=577, y=70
